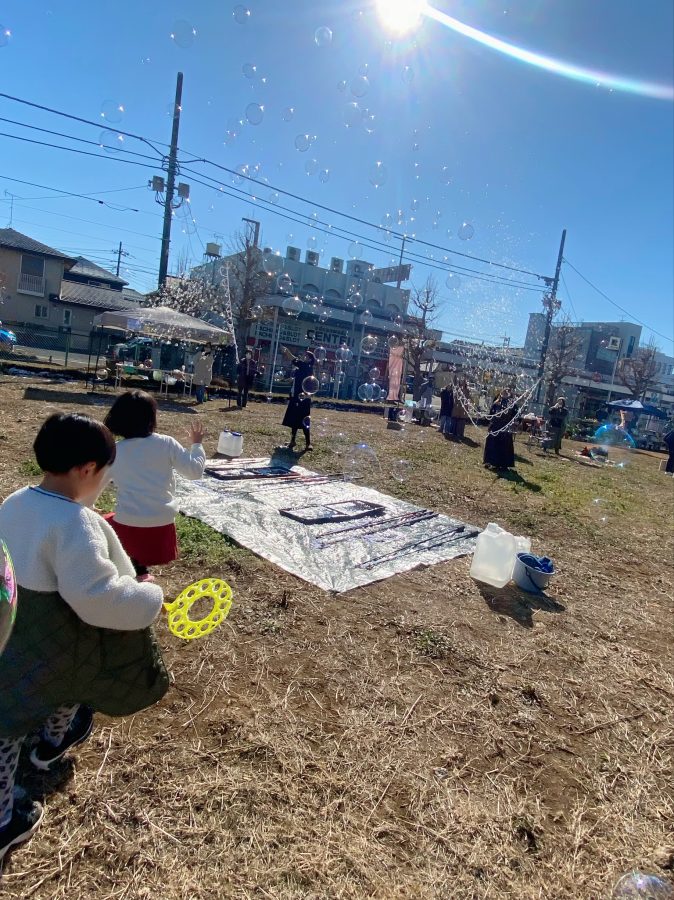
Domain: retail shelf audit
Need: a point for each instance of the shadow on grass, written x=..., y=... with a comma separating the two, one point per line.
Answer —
x=523, y=459
x=97, y=398
x=516, y=478
x=518, y=605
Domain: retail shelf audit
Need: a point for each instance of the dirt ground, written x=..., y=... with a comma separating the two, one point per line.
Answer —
x=424, y=737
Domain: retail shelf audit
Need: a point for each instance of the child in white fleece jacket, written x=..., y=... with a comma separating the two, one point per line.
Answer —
x=144, y=474
x=82, y=639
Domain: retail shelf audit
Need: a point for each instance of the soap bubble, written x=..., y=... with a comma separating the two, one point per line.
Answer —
x=378, y=174
x=306, y=423
x=355, y=250
x=641, y=886
x=368, y=344
x=311, y=242
x=324, y=176
x=284, y=284
x=354, y=299
x=408, y=74
x=302, y=142
x=292, y=306
x=323, y=36
x=365, y=317
x=344, y=353
x=311, y=166
x=387, y=220
x=361, y=464
x=110, y=141
x=250, y=71
x=241, y=15
x=323, y=315
x=256, y=311
x=401, y=469
x=341, y=86
x=310, y=384
x=288, y=113
x=397, y=321
x=599, y=510
x=366, y=392
x=393, y=341
x=453, y=281
x=274, y=197
x=321, y=354
x=465, y=231
x=352, y=114
x=112, y=111
x=183, y=34
x=360, y=86
x=374, y=373
x=377, y=392
x=5, y=35
x=613, y=445
x=254, y=113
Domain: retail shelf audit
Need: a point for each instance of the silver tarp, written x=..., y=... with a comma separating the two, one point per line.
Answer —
x=248, y=512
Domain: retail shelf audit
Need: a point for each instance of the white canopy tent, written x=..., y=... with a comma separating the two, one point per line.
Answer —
x=164, y=323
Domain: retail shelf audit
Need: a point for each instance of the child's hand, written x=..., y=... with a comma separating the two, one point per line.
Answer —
x=197, y=433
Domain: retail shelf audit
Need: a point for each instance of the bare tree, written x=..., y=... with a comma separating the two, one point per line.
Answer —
x=638, y=372
x=565, y=344
x=248, y=282
x=424, y=309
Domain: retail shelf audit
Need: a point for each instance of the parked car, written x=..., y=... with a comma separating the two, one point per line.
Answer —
x=137, y=348
x=7, y=338
x=650, y=441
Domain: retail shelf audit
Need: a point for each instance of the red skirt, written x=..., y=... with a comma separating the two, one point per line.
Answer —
x=153, y=546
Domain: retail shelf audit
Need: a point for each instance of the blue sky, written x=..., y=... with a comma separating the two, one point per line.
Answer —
x=526, y=152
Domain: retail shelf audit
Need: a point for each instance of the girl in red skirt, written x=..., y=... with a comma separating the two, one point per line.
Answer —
x=144, y=474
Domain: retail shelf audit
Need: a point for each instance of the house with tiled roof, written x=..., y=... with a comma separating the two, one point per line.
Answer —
x=45, y=290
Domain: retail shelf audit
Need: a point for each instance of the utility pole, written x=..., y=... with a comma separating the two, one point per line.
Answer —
x=400, y=262
x=256, y=230
x=551, y=305
x=172, y=167
x=120, y=253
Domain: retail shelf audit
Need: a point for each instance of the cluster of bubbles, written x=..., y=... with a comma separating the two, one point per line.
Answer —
x=370, y=392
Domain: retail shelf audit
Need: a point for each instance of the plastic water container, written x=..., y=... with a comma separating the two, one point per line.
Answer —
x=230, y=443
x=494, y=556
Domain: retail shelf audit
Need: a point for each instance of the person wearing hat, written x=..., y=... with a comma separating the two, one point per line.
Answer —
x=298, y=411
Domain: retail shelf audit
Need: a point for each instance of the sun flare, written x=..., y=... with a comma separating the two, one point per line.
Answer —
x=401, y=16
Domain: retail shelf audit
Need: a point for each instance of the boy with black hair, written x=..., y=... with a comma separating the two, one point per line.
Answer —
x=82, y=639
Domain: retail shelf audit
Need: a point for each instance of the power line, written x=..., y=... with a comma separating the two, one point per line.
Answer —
x=568, y=294
x=233, y=172
x=50, y=212
x=60, y=191
x=617, y=306
x=112, y=158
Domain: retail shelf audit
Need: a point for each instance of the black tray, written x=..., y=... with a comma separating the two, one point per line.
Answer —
x=244, y=472
x=342, y=511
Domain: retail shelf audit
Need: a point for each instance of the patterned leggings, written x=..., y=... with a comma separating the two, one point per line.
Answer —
x=53, y=731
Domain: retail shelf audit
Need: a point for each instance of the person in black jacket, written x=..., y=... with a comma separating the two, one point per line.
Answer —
x=669, y=442
x=557, y=416
x=298, y=411
x=499, y=448
x=446, y=405
x=246, y=371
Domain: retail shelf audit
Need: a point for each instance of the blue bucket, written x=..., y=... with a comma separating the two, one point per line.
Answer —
x=533, y=573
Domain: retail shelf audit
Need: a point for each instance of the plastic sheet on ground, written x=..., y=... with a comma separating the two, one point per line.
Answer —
x=248, y=512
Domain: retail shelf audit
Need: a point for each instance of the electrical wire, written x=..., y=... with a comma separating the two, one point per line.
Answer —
x=617, y=306
x=111, y=157
x=69, y=193
x=568, y=295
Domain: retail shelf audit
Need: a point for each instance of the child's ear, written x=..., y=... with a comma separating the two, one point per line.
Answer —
x=87, y=469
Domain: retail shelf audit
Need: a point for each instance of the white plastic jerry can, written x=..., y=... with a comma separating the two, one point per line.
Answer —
x=494, y=556
x=230, y=443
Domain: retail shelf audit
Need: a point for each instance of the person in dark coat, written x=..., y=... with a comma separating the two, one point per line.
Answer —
x=669, y=443
x=557, y=416
x=446, y=404
x=298, y=411
x=499, y=449
x=246, y=371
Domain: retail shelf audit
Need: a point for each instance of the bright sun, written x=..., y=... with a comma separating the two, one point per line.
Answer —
x=400, y=16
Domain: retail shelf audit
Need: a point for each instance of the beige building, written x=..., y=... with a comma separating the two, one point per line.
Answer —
x=30, y=278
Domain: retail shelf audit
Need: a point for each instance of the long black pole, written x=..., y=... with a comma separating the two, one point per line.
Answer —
x=170, y=183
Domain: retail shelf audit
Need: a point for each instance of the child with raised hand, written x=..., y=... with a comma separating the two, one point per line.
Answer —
x=144, y=474
x=82, y=640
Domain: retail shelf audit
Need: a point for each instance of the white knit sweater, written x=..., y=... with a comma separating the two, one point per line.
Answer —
x=58, y=545
x=143, y=472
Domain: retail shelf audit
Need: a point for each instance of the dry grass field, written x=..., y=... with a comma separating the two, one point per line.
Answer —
x=424, y=737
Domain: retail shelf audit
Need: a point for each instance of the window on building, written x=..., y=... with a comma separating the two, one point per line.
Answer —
x=630, y=346
x=32, y=265
x=67, y=316
x=41, y=312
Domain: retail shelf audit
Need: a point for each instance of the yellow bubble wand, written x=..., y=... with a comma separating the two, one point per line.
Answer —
x=179, y=622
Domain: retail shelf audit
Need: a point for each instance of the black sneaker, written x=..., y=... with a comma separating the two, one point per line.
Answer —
x=24, y=823
x=44, y=754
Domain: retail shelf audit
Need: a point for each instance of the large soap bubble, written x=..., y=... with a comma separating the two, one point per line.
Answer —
x=241, y=15
x=366, y=392
x=284, y=284
x=344, y=353
x=8, y=593
x=465, y=231
x=292, y=306
x=323, y=36
x=183, y=34
x=361, y=464
x=642, y=886
x=368, y=344
x=613, y=445
x=310, y=384
x=320, y=354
